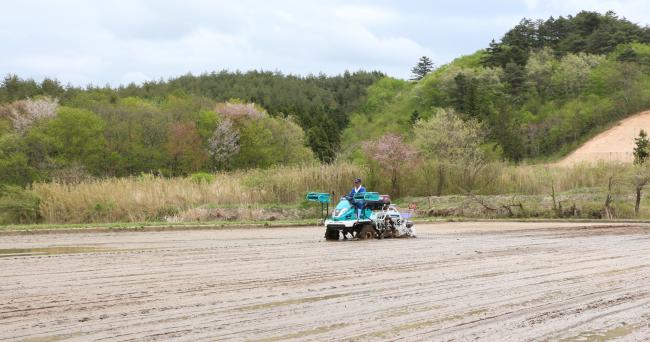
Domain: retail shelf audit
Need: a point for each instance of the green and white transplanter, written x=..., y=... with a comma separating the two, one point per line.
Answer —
x=365, y=215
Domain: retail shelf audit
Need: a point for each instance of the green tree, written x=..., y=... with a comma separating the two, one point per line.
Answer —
x=76, y=137
x=14, y=163
x=464, y=95
x=539, y=70
x=641, y=148
x=184, y=148
x=289, y=143
x=206, y=122
x=641, y=170
x=572, y=75
x=136, y=132
x=587, y=32
x=13, y=88
x=319, y=142
x=451, y=142
x=268, y=141
x=387, y=110
x=255, y=149
x=424, y=66
x=515, y=79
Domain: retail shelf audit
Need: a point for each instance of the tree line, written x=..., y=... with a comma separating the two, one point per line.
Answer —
x=42, y=140
x=320, y=104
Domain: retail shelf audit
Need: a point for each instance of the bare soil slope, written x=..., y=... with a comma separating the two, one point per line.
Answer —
x=458, y=281
x=613, y=145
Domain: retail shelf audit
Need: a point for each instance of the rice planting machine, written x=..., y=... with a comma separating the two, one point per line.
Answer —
x=366, y=215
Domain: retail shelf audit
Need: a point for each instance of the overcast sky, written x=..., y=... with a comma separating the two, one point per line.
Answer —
x=117, y=42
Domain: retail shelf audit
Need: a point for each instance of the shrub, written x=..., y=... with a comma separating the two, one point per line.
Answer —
x=202, y=177
x=18, y=205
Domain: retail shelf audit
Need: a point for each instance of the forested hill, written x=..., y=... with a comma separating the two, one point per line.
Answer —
x=587, y=32
x=540, y=91
x=320, y=104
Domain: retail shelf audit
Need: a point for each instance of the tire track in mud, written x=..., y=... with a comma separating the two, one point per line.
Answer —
x=460, y=281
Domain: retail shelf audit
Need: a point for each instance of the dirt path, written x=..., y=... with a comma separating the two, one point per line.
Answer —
x=613, y=145
x=497, y=281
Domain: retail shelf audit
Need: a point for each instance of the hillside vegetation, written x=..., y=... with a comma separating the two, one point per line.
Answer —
x=212, y=122
x=540, y=91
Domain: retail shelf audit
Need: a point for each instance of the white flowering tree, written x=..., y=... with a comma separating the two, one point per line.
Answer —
x=224, y=142
x=25, y=113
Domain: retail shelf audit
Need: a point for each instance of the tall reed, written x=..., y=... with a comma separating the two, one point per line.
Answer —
x=147, y=197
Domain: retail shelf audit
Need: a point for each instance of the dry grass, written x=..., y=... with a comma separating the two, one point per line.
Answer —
x=148, y=198
x=538, y=179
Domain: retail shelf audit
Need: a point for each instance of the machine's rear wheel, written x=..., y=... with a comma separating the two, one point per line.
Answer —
x=366, y=233
x=331, y=234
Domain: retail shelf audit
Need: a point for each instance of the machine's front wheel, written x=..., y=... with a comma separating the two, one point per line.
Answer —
x=367, y=232
x=331, y=234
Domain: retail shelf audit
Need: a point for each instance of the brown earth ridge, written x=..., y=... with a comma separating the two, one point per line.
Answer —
x=613, y=145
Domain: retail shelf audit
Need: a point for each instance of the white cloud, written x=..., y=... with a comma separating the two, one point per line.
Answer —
x=637, y=11
x=364, y=14
x=131, y=41
x=134, y=77
x=531, y=4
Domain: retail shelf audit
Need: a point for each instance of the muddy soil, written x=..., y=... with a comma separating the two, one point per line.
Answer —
x=458, y=281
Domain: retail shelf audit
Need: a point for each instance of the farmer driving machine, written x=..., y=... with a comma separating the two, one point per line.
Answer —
x=365, y=215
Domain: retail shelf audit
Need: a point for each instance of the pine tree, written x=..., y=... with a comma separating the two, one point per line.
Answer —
x=424, y=66
x=641, y=148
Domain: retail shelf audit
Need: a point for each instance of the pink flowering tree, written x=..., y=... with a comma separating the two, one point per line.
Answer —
x=239, y=112
x=392, y=154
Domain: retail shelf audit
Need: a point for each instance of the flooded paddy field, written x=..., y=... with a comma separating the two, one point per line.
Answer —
x=502, y=281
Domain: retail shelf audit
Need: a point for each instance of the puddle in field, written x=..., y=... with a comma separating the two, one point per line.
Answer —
x=16, y=252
